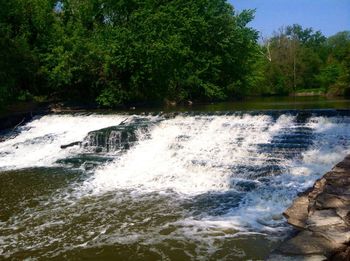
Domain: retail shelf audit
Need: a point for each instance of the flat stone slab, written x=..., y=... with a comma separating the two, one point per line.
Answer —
x=326, y=217
x=297, y=214
x=277, y=257
x=344, y=213
x=309, y=243
x=326, y=201
x=339, y=234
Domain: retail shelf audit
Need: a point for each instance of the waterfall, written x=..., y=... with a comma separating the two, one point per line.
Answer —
x=154, y=178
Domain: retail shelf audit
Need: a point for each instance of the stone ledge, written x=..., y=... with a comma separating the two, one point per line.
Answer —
x=322, y=214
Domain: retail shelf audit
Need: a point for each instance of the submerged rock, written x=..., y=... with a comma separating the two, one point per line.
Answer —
x=110, y=139
x=71, y=144
x=96, y=146
x=85, y=161
x=115, y=138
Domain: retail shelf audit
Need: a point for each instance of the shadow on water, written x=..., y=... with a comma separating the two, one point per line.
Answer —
x=258, y=103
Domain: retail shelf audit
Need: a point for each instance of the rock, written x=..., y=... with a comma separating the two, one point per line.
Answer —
x=277, y=257
x=116, y=138
x=338, y=185
x=344, y=213
x=343, y=166
x=341, y=179
x=318, y=188
x=297, y=214
x=339, y=234
x=326, y=200
x=342, y=256
x=70, y=144
x=337, y=189
x=110, y=139
x=309, y=243
x=323, y=216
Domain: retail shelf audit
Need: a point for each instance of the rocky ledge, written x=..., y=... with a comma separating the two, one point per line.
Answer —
x=322, y=216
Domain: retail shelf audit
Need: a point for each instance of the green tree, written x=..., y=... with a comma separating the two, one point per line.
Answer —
x=335, y=74
x=297, y=56
x=23, y=30
x=129, y=51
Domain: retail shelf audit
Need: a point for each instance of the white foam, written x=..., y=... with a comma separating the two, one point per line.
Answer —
x=38, y=145
x=261, y=209
x=202, y=162
x=189, y=155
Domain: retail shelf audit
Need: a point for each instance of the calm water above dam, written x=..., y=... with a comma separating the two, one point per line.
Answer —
x=187, y=186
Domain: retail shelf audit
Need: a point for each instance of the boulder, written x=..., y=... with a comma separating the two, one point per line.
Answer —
x=116, y=138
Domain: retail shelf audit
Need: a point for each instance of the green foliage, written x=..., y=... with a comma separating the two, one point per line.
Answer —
x=328, y=75
x=23, y=26
x=338, y=63
x=117, y=52
x=126, y=51
x=301, y=59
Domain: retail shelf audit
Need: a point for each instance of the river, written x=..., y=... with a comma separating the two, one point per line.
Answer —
x=209, y=184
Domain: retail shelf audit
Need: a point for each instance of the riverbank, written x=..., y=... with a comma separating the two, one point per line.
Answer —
x=322, y=216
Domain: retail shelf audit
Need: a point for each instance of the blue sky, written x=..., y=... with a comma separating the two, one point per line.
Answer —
x=328, y=16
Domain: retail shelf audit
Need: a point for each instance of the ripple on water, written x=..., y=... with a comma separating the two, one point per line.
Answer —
x=195, y=187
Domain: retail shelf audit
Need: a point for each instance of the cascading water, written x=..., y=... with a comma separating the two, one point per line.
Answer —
x=161, y=187
x=38, y=144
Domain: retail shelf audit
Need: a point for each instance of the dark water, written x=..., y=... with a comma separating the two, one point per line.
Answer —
x=112, y=226
x=261, y=103
x=190, y=186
